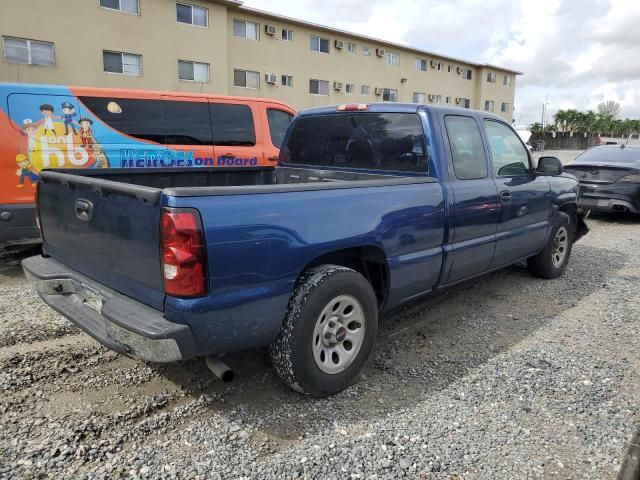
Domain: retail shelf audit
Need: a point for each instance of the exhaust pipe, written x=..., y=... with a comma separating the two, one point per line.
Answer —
x=219, y=368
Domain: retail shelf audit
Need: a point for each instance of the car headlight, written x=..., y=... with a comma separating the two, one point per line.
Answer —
x=635, y=178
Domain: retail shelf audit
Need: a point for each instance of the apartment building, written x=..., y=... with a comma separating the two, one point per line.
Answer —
x=221, y=46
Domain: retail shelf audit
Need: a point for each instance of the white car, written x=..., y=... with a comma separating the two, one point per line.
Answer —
x=525, y=135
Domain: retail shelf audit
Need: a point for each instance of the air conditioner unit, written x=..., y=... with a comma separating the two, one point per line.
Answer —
x=339, y=44
x=379, y=91
x=432, y=97
x=458, y=100
x=380, y=52
x=434, y=64
x=270, y=78
x=459, y=70
x=337, y=85
x=270, y=29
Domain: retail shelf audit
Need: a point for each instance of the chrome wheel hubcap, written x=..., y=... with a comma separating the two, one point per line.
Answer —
x=338, y=334
x=560, y=245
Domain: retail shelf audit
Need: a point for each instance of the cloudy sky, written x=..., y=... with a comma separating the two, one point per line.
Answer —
x=575, y=52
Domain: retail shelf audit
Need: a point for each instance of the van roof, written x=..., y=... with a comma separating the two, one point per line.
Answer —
x=127, y=93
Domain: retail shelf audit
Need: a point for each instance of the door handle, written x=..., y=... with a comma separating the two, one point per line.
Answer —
x=273, y=158
x=505, y=196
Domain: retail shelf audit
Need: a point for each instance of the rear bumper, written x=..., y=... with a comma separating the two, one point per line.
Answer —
x=118, y=322
x=18, y=225
x=610, y=197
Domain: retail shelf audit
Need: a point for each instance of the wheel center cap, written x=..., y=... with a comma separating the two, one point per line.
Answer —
x=341, y=334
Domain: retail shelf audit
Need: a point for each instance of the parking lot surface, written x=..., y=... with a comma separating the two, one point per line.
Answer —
x=505, y=377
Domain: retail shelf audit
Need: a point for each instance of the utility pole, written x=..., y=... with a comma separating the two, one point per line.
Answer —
x=544, y=108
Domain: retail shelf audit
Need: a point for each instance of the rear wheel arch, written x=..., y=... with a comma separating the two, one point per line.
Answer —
x=369, y=261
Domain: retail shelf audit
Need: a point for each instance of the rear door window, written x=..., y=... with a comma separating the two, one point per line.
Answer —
x=232, y=125
x=138, y=118
x=364, y=140
x=187, y=123
x=279, y=121
x=467, y=150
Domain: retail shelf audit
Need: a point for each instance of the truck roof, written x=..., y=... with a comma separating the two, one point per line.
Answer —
x=393, y=107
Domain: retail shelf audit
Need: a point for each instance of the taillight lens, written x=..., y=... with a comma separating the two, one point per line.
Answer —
x=183, y=253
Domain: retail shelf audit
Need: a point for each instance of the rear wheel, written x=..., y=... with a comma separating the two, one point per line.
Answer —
x=328, y=333
x=552, y=261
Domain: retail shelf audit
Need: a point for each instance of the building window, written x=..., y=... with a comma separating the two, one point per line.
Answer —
x=122, y=63
x=506, y=107
x=391, y=58
x=319, y=44
x=287, y=81
x=440, y=66
x=128, y=6
x=318, y=87
x=437, y=98
x=489, y=105
x=449, y=68
x=465, y=102
x=418, y=97
x=248, y=30
x=246, y=79
x=421, y=64
x=287, y=35
x=389, y=95
x=192, y=15
x=31, y=52
x=507, y=80
x=467, y=74
x=364, y=89
x=447, y=100
x=491, y=77
x=351, y=47
x=349, y=87
x=193, y=71
x=366, y=51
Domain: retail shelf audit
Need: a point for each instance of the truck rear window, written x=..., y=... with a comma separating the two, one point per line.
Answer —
x=366, y=140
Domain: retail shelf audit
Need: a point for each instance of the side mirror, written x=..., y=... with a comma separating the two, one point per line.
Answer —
x=549, y=166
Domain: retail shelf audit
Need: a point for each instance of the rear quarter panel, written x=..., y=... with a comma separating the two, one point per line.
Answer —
x=258, y=245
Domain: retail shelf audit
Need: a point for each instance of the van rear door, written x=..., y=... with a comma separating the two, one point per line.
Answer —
x=238, y=136
x=188, y=129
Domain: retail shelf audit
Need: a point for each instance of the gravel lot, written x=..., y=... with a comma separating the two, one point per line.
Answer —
x=508, y=377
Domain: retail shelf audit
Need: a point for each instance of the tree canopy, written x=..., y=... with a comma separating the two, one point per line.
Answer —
x=603, y=122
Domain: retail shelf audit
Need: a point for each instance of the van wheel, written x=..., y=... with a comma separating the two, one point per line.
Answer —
x=329, y=331
x=552, y=261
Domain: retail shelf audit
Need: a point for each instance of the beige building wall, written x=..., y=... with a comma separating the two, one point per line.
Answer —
x=81, y=30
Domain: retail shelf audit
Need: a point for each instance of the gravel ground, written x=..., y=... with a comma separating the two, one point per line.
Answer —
x=507, y=377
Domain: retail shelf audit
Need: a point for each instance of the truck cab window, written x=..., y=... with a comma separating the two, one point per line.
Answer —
x=510, y=157
x=467, y=151
x=279, y=121
x=367, y=140
x=232, y=125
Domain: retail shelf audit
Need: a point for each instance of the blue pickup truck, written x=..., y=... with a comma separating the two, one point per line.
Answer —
x=370, y=207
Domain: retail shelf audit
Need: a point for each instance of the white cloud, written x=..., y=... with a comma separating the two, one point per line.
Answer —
x=575, y=52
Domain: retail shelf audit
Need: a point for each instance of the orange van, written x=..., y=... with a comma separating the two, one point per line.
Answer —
x=52, y=126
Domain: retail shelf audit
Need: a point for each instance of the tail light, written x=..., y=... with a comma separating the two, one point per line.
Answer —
x=38, y=223
x=184, y=271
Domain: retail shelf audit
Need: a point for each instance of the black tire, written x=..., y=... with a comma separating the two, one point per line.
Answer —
x=542, y=265
x=292, y=351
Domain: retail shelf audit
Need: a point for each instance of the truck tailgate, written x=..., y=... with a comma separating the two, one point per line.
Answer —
x=107, y=231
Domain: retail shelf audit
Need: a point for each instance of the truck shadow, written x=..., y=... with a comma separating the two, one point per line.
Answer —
x=420, y=350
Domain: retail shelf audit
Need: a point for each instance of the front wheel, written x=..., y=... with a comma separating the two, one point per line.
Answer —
x=552, y=261
x=328, y=333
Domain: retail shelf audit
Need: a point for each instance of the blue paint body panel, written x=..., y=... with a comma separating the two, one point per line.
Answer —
x=430, y=234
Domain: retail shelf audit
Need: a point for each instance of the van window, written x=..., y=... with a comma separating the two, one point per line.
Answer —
x=374, y=141
x=187, y=123
x=467, y=151
x=279, y=121
x=141, y=119
x=232, y=125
